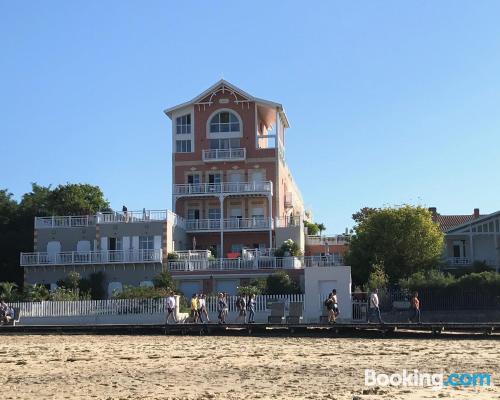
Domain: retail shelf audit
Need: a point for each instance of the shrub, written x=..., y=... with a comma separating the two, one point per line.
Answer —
x=172, y=256
x=480, y=266
x=288, y=249
x=141, y=292
x=281, y=283
x=378, y=278
x=164, y=281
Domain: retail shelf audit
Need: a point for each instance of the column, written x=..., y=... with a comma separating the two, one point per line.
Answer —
x=270, y=219
x=221, y=201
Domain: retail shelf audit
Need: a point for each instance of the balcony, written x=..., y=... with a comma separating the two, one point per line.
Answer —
x=259, y=263
x=288, y=199
x=70, y=221
x=230, y=224
x=465, y=261
x=215, y=155
x=91, y=257
x=227, y=188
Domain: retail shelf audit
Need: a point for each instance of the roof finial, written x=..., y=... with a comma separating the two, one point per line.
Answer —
x=222, y=76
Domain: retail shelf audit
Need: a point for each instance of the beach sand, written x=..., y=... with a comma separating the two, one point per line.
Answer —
x=210, y=367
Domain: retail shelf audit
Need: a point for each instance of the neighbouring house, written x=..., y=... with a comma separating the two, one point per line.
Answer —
x=470, y=238
x=234, y=201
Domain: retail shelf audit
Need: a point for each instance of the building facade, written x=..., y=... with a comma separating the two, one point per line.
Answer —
x=234, y=202
x=230, y=180
x=470, y=238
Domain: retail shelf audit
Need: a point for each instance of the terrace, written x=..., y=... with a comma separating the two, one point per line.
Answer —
x=258, y=262
x=226, y=188
x=91, y=257
x=71, y=221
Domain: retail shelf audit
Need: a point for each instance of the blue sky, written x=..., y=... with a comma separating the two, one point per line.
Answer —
x=389, y=102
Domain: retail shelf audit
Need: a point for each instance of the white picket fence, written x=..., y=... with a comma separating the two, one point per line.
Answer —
x=131, y=306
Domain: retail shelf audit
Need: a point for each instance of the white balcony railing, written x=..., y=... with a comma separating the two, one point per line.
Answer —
x=231, y=224
x=203, y=189
x=327, y=240
x=236, y=154
x=467, y=261
x=260, y=263
x=71, y=221
x=91, y=257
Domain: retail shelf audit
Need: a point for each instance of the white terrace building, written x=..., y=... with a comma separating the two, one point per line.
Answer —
x=132, y=248
x=475, y=240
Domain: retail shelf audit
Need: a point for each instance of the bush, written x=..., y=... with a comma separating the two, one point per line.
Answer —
x=481, y=266
x=378, y=278
x=288, y=249
x=312, y=228
x=141, y=292
x=35, y=293
x=172, y=256
x=164, y=281
x=281, y=283
x=64, y=294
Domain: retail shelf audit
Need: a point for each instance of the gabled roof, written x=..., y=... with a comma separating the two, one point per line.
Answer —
x=226, y=84
x=447, y=222
x=473, y=221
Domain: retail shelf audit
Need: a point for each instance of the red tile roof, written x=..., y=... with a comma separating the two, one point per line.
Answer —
x=449, y=221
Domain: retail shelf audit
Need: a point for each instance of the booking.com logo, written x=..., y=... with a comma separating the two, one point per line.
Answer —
x=437, y=381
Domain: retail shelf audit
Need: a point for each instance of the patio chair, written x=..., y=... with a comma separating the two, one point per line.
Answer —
x=277, y=313
x=295, y=313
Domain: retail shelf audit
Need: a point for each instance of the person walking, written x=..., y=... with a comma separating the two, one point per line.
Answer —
x=221, y=306
x=415, y=308
x=251, y=309
x=329, y=307
x=241, y=310
x=170, y=308
x=194, y=308
x=335, y=305
x=203, y=308
x=374, y=307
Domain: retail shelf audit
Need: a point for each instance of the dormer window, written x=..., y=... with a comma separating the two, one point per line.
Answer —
x=225, y=121
x=183, y=124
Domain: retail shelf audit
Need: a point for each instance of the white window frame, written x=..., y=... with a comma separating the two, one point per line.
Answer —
x=147, y=240
x=182, y=124
x=182, y=143
x=224, y=135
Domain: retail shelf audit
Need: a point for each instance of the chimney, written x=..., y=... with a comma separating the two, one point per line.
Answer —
x=433, y=210
x=476, y=213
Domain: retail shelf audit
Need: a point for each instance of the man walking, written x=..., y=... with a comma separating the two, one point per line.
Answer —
x=170, y=308
x=415, y=308
x=374, y=307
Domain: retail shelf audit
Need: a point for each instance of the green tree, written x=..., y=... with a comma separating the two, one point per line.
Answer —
x=378, y=278
x=281, y=283
x=321, y=228
x=312, y=228
x=8, y=290
x=164, y=281
x=404, y=239
x=16, y=220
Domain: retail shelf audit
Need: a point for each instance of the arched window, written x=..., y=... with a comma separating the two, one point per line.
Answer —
x=224, y=121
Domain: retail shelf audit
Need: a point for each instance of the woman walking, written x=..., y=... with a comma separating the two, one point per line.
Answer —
x=221, y=308
x=203, y=307
x=251, y=309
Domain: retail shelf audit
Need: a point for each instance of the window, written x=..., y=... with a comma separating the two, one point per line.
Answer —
x=183, y=124
x=224, y=121
x=146, y=242
x=214, y=178
x=193, y=179
x=214, y=213
x=183, y=146
x=236, y=248
x=193, y=213
x=223, y=144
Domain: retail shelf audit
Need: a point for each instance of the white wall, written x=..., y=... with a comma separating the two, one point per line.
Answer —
x=317, y=279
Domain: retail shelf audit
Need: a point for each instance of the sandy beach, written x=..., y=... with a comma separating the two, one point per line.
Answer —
x=192, y=367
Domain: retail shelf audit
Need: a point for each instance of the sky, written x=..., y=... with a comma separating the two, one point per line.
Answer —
x=389, y=102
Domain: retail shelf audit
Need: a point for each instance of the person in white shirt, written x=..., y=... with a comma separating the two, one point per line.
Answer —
x=374, y=306
x=203, y=307
x=171, y=308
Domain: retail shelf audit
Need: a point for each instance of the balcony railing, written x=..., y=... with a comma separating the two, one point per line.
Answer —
x=107, y=218
x=260, y=263
x=457, y=261
x=91, y=257
x=236, y=154
x=203, y=189
x=327, y=240
x=231, y=224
